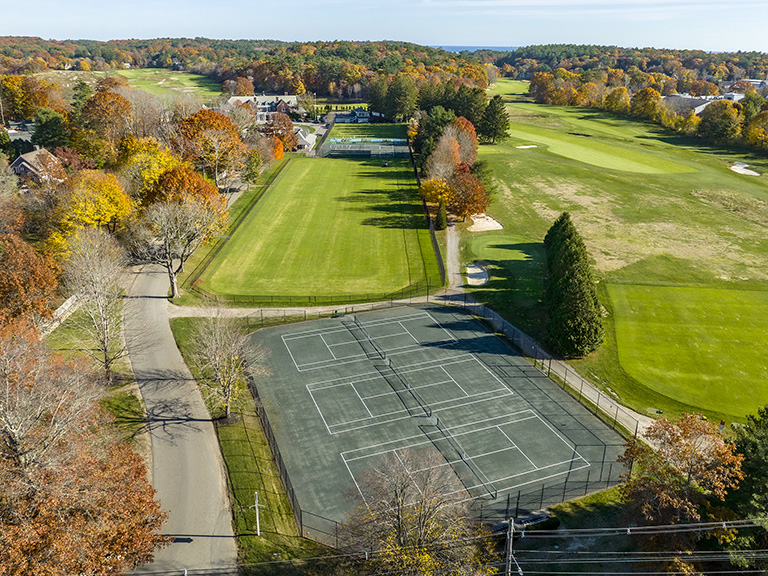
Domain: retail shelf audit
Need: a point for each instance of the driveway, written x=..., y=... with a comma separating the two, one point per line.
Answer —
x=187, y=469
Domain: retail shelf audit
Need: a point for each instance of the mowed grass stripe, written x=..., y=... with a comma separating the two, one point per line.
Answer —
x=597, y=153
x=327, y=227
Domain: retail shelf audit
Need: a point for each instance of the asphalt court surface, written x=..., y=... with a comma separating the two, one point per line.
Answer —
x=345, y=391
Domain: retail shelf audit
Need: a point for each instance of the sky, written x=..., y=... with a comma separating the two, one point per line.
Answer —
x=711, y=25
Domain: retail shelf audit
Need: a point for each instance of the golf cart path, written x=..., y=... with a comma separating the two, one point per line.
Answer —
x=187, y=468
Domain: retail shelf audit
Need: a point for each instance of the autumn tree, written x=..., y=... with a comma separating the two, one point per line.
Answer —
x=27, y=280
x=280, y=126
x=75, y=499
x=107, y=114
x=170, y=231
x=412, y=518
x=468, y=195
x=647, y=104
x=463, y=132
x=720, y=121
x=445, y=158
x=494, y=124
x=756, y=132
x=93, y=271
x=142, y=161
x=686, y=462
x=430, y=128
x=95, y=199
x=618, y=101
x=212, y=141
x=181, y=181
x=435, y=190
x=252, y=168
x=225, y=357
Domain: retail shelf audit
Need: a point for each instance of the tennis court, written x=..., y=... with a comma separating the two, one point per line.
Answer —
x=346, y=391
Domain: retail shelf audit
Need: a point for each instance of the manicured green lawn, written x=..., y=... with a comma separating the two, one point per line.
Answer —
x=678, y=243
x=329, y=227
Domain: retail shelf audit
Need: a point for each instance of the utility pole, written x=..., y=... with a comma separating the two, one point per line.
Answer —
x=257, y=505
x=510, y=554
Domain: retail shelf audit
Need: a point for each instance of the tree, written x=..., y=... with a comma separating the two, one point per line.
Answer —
x=401, y=98
x=495, y=121
x=463, y=132
x=93, y=272
x=182, y=181
x=377, y=94
x=225, y=357
x=430, y=128
x=95, y=199
x=441, y=220
x=212, y=141
x=252, y=169
x=413, y=512
x=468, y=194
x=142, y=162
x=444, y=160
x=647, y=104
x=575, y=326
x=27, y=281
x=750, y=501
x=756, y=132
x=435, y=191
x=689, y=461
x=170, y=231
x=720, y=121
x=75, y=499
x=51, y=129
x=280, y=126
x=751, y=105
x=107, y=114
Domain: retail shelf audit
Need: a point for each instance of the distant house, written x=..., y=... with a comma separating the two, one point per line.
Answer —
x=356, y=116
x=306, y=140
x=266, y=105
x=37, y=166
x=684, y=103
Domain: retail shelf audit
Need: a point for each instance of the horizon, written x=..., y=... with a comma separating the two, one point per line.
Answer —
x=661, y=24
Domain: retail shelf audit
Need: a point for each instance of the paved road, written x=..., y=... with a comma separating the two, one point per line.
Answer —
x=187, y=469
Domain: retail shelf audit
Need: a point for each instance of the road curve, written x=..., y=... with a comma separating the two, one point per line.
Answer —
x=187, y=468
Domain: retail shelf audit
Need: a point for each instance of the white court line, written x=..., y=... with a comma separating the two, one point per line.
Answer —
x=320, y=412
x=409, y=333
x=291, y=354
x=519, y=449
x=353, y=479
x=314, y=331
x=389, y=392
x=328, y=347
x=454, y=381
x=407, y=471
x=361, y=400
x=451, y=336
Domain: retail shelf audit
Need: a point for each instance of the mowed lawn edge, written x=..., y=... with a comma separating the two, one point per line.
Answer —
x=328, y=227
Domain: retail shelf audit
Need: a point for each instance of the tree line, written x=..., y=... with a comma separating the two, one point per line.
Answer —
x=724, y=120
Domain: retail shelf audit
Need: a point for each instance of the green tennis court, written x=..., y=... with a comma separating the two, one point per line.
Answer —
x=345, y=391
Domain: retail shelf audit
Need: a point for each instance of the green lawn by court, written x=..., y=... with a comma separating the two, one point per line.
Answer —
x=329, y=227
x=702, y=346
x=368, y=131
x=694, y=223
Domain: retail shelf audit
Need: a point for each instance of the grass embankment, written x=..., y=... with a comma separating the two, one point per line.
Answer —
x=251, y=468
x=678, y=243
x=329, y=228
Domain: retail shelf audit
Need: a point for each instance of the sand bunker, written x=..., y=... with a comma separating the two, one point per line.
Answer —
x=741, y=168
x=476, y=275
x=525, y=147
x=483, y=222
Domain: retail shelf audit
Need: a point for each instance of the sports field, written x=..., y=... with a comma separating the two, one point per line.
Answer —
x=345, y=391
x=329, y=228
x=678, y=240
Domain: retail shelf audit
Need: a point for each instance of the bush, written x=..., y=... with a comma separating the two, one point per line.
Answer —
x=441, y=221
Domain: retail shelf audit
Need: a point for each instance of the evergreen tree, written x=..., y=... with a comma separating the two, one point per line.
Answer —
x=51, y=130
x=494, y=125
x=575, y=326
x=401, y=98
x=441, y=220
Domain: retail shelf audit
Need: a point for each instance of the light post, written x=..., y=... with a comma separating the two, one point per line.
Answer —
x=256, y=505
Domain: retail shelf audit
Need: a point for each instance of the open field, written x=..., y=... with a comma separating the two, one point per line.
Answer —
x=678, y=241
x=158, y=81
x=329, y=227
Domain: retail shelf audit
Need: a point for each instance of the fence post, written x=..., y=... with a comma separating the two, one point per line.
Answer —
x=541, y=503
x=586, y=483
x=610, y=470
x=517, y=505
x=581, y=388
x=616, y=416
x=598, y=402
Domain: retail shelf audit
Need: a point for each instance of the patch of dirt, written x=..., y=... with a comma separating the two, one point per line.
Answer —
x=476, y=274
x=744, y=205
x=742, y=168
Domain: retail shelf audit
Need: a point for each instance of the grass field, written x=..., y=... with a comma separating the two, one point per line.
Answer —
x=678, y=241
x=329, y=227
x=158, y=81
x=368, y=131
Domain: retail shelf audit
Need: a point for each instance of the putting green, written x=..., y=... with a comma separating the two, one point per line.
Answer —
x=329, y=227
x=701, y=346
x=596, y=152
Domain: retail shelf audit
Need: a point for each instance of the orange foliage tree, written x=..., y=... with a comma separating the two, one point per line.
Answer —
x=76, y=499
x=212, y=141
x=280, y=126
x=181, y=180
x=107, y=113
x=469, y=195
x=27, y=280
x=691, y=461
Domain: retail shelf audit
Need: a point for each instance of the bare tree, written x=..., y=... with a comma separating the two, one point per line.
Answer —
x=226, y=357
x=93, y=272
x=169, y=232
x=413, y=518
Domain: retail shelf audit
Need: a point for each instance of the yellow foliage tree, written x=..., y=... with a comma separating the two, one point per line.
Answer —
x=95, y=199
x=143, y=161
x=434, y=190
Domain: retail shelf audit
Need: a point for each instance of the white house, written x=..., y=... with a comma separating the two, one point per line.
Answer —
x=306, y=140
x=268, y=104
